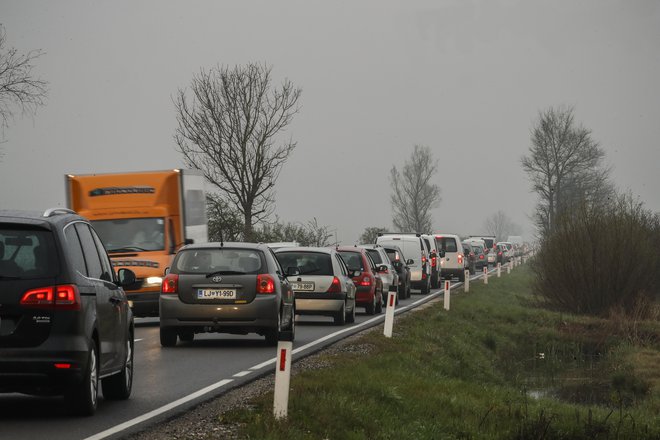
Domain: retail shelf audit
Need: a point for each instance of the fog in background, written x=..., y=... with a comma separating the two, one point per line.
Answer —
x=466, y=78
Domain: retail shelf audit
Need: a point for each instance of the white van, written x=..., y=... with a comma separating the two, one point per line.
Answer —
x=454, y=262
x=417, y=252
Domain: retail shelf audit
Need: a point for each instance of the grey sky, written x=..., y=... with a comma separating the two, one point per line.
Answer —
x=465, y=77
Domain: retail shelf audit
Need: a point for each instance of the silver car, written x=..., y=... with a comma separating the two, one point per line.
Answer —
x=237, y=288
x=389, y=276
x=321, y=282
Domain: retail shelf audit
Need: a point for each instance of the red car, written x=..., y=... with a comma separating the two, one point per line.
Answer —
x=369, y=285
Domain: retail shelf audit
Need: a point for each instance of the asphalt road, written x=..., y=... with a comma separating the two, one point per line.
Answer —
x=173, y=380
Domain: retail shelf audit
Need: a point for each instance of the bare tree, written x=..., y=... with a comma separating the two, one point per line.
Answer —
x=413, y=194
x=501, y=226
x=227, y=129
x=564, y=164
x=370, y=234
x=19, y=88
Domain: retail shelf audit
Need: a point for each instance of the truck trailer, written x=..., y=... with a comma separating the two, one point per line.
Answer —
x=143, y=218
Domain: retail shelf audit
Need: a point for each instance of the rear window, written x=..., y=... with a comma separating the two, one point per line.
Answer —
x=375, y=255
x=393, y=255
x=352, y=259
x=308, y=263
x=448, y=244
x=224, y=260
x=27, y=253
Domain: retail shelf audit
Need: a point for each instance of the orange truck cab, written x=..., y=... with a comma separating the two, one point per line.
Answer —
x=143, y=218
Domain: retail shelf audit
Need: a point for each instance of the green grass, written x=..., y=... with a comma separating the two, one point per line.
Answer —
x=495, y=366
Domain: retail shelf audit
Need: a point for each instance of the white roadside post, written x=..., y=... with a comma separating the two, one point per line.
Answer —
x=508, y=268
x=447, y=293
x=283, y=374
x=389, y=313
x=499, y=269
x=485, y=275
x=466, y=283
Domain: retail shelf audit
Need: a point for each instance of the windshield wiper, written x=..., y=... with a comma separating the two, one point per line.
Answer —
x=224, y=272
x=127, y=249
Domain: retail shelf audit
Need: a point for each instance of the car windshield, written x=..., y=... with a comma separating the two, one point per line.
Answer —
x=220, y=261
x=375, y=255
x=353, y=260
x=135, y=234
x=448, y=244
x=27, y=253
x=308, y=263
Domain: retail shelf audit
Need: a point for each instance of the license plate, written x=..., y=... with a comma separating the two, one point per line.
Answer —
x=303, y=287
x=216, y=294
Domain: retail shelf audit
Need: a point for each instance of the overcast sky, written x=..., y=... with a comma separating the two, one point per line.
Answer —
x=466, y=78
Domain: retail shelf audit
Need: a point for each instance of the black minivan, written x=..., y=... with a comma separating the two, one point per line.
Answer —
x=65, y=322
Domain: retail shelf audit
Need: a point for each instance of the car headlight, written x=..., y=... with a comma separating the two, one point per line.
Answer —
x=153, y=281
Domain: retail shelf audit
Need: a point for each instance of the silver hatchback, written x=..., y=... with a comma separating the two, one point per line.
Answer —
x=236, y=288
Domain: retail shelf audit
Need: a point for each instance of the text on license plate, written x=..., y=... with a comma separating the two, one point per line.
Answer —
x=216, y=293
x=302, y=286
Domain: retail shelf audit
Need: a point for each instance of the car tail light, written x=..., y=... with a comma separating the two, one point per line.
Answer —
x=423, y=275
x=460, y=259
x=481, y=257
x=170, y=284
x=423, y=259
x=365, y=281
x=499, y=253
x=265, y=284
x=335, y=286
x=434, y=261
x=65, y=296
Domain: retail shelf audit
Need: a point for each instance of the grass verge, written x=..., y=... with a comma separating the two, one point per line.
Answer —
x=494, y=367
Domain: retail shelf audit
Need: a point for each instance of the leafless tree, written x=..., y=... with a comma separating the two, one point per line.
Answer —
x=413, y=194
x=565, y=166
x=501, y=226
x=228, y=127
x=370, y=234
x=19, y=88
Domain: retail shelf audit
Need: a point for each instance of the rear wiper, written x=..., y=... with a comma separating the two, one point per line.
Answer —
x=9, y=277
x=126, y=249
x=224, y=272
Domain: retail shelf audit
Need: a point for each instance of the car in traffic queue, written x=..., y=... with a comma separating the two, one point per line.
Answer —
x=321, y=281
x=65, y=322
x=235, y=288
x=453, y=261
x=481, y=259
x=369, y=285
x=398, y=261
x=386, y=271
x=434, y=258
x=415, y=249
x=471, y=257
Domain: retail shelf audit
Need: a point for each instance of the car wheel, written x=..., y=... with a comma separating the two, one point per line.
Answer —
x=83, y=397
x=340, y=316
x=434, y=282
x=187, y=335
x=168, y=337
x=379, y=304
x=119, y=386
x=371, y=307
x=272, y=334
x=425, y=288
x=408, y=293
x=461, y=276
x=350, y=317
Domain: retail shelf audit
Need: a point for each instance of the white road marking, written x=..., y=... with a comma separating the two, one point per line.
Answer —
x=242, y=374
x=158, y=411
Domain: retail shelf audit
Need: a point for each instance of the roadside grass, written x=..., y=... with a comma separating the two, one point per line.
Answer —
x=496, y=366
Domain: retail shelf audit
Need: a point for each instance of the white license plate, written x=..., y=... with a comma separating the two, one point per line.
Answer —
x=303, y=287
x=216, y=294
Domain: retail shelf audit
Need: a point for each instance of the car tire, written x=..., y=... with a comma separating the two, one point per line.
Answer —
x=187, y=335
x=408, y=292
x=371, y=307
x=434, y=282
x=83, y=397
x=119, y=386
x=272, y=334
x=168, y=337
x=425, y=288
x=379, y=305
x=350, y=316
x=461, y=276
x=340, y=316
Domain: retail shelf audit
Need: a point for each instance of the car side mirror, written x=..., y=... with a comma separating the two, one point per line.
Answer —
x=382, y=268
x=355, y=273
x=410, y=261
x=125, y=277
x=292, y=271
x=188, y=241
x=397, y=265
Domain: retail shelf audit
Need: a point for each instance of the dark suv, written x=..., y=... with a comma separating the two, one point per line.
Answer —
x=64, y=319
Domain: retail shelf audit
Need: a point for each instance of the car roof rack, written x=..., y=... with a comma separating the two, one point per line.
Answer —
x=52, y=211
